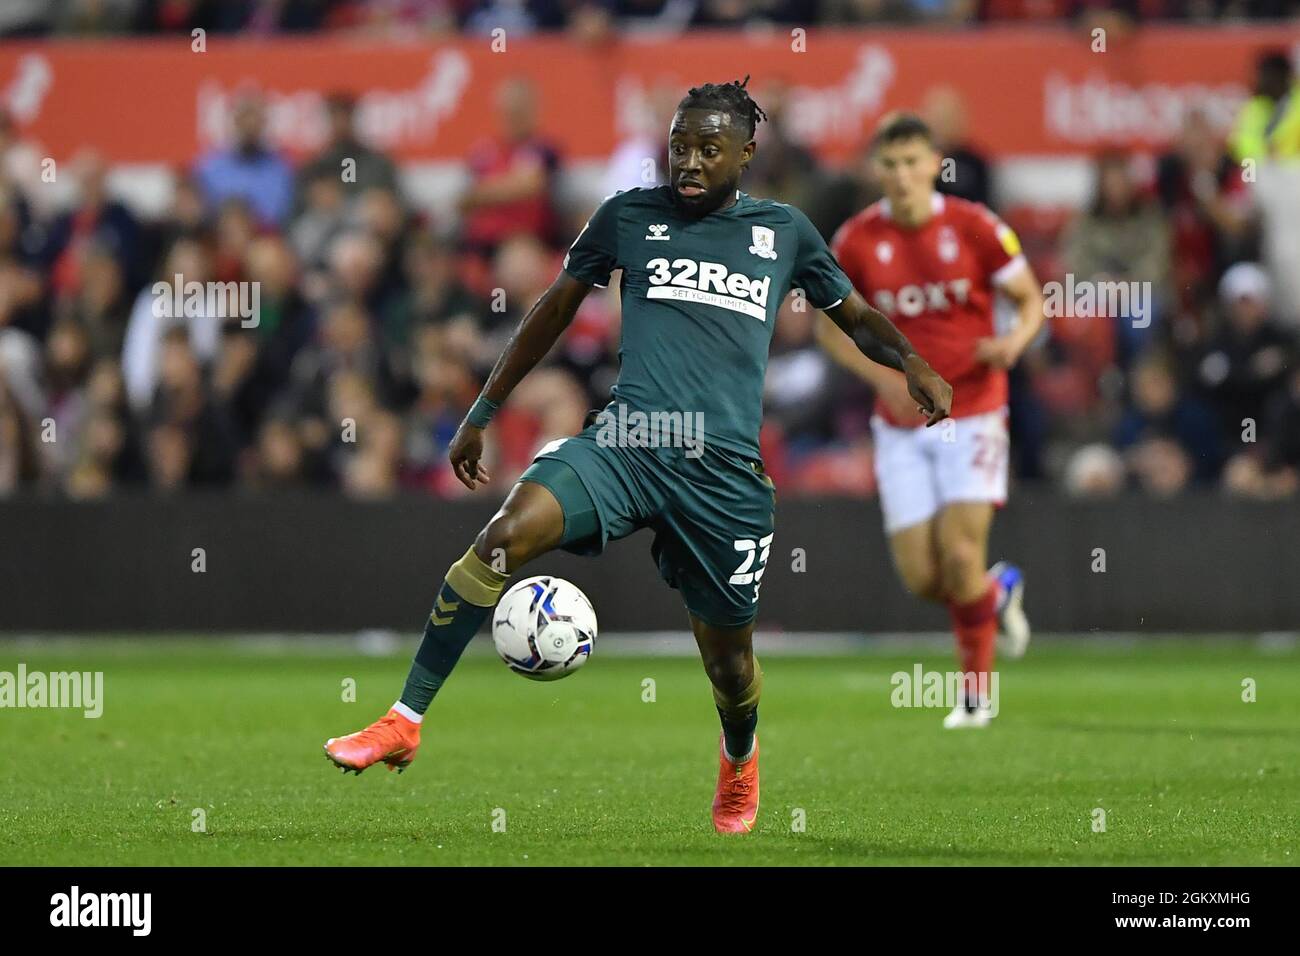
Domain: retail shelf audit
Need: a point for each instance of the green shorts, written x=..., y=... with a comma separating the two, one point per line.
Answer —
x=713, y=514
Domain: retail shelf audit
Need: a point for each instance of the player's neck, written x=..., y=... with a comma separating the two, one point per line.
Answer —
x=913, y=215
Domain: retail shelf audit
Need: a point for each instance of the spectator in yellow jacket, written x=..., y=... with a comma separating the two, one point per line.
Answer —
x=1268, y=126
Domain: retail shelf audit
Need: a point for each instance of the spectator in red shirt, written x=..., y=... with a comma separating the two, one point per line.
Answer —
x=96, y=218
x=513, y=176
x=1208, y=208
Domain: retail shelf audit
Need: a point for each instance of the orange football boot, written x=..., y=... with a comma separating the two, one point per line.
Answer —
x=735, y=805
x=392, y=738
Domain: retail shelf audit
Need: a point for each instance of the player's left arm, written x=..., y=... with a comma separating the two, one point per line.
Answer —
x=879, y=340
x=1003, y=351
x=999, y=251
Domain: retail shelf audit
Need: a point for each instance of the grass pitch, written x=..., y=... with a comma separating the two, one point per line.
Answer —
x=585, y=771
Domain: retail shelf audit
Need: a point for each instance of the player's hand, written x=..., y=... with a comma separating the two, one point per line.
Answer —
x=892, y=392
x=931, y=393
x=465, y=452
x=1002, y=351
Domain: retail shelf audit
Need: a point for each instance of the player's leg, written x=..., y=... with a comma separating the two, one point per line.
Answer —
x=971, y=595
x=728, y=656
x=529, y=523
x=975, y=468
x=713, y=544
x=915, y=550
x=984, y=478
x=909, y=500
x=971, y=477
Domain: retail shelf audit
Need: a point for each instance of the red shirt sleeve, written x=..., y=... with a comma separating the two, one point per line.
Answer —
x=994, y=242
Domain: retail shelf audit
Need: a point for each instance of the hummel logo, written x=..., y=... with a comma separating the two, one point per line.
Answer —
x=659, y=231
x=439, y=608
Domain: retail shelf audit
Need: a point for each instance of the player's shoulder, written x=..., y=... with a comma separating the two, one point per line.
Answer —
x=635, y=197
x=781, y=217
x=981, y=226
x=969, y=212
x=636, y=202
x=781, y=212
x=861, y=223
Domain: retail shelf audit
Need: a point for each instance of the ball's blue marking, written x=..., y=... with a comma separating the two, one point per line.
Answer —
x=545, y=596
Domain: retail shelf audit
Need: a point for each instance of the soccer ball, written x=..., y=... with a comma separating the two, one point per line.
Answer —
x=544, y=628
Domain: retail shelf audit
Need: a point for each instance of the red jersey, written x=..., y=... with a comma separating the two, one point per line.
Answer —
x=937, y=284
x=490, y=225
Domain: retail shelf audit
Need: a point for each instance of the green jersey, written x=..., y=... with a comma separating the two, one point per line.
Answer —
x=700, y=299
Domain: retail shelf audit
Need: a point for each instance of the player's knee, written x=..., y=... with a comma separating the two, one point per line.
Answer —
x=512, y=537
x=730, y=672
x=961, y=568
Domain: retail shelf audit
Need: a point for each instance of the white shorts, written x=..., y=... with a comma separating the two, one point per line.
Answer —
x=921, y=470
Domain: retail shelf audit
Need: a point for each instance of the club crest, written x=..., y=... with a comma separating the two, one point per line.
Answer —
x=764, y=243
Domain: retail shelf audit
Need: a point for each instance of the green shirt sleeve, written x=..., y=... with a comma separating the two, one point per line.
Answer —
x=594, y=254
x=815, y=269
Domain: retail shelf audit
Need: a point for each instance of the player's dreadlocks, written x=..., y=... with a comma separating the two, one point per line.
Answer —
x=731, y=98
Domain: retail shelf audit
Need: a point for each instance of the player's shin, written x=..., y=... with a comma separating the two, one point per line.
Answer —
x=975, y=625
x=739, y=714
x=466, y=597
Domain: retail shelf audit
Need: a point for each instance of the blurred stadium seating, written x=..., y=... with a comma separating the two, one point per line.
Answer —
x=386, y=298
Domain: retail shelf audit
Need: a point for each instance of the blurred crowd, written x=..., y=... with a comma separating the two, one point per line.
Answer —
x=590, y=19
x=377, y=322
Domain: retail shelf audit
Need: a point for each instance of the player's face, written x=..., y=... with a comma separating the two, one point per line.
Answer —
x=706, y=155
x=907, y=170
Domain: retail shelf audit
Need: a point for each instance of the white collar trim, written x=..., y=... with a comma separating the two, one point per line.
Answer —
x=936, y=205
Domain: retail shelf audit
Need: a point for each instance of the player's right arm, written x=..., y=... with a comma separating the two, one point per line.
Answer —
x=889, y=384
x=879, y=340
x=846, y=353
x=865, y=342
x=537, y=333
x=590, y=261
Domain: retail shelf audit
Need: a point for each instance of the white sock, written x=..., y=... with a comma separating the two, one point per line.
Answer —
x=406, y=712
x=745, y=759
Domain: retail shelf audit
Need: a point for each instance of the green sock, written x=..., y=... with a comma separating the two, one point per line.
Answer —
x=738, y=733
x=422, y=685
x=739, y=716
x=466, y=597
